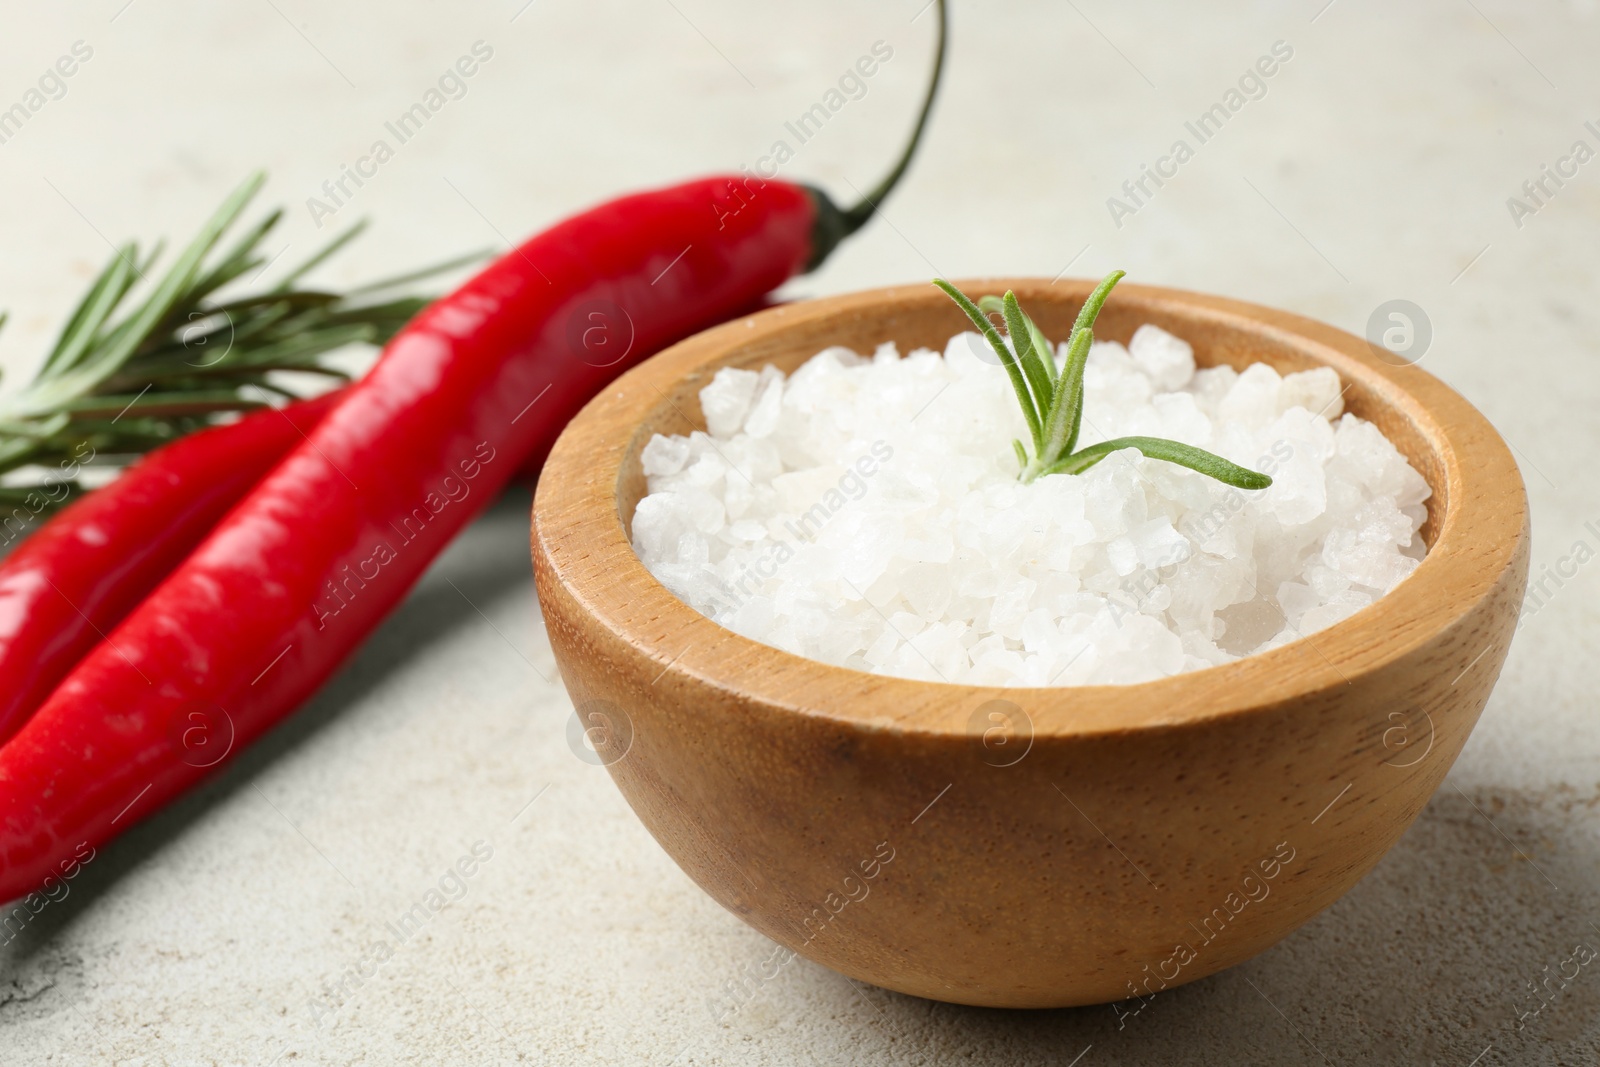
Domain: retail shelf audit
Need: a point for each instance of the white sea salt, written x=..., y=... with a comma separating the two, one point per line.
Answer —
x=866, y=512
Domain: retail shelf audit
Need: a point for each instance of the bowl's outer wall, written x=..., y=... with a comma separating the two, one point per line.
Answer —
x=1129, y=838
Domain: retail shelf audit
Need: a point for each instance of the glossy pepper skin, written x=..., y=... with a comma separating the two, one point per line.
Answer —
x=314, y=557
x=77, y=576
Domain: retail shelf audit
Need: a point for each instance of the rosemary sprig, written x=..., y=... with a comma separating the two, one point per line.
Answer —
x=119, y=383
x=1052, y=400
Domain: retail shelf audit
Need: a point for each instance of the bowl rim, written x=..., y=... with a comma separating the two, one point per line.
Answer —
x=579, y=541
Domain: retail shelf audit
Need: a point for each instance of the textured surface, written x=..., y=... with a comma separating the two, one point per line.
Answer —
x=1376, y=167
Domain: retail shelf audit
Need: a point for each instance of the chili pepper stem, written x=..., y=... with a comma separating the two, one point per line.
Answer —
x=833, y=223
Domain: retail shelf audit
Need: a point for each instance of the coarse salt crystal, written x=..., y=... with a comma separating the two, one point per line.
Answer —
x=865, y=511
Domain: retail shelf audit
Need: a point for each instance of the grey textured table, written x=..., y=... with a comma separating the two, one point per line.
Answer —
x=255, y=923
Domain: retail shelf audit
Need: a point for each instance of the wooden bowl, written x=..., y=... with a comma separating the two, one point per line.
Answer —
x=1026, y=847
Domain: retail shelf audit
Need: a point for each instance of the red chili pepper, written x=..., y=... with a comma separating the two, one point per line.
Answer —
x=298, y=574
x=76, y=577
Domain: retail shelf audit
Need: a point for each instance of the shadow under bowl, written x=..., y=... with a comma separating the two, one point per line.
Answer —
x=1028, y=847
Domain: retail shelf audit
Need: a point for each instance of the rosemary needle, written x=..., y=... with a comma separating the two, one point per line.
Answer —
x=1052, y=403
x=126, y=376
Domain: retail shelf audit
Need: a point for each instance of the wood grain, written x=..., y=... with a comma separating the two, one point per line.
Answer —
x=1120, y=839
